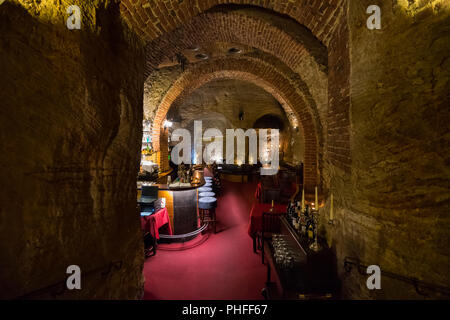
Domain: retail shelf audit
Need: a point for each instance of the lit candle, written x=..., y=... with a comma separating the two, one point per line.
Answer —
x=272, y=203
x=303, y=199
x=331, y=207
x=316, y=202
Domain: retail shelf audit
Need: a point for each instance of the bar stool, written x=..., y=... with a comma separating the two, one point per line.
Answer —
x=207, y=209
x=206, y=194
x=205, y=189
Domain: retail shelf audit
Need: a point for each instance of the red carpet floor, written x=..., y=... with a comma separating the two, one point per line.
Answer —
x=218, y=266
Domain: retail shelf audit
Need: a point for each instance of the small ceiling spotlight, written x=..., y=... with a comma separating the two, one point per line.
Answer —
x=234, y=50
x=167, y=124
x=193, y=48
x=201, y=56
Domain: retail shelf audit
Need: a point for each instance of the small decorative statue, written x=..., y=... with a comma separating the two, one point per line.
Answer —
x=197, y=178
x=182, y=173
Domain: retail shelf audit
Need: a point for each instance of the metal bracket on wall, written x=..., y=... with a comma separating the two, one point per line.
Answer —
x=60, y=287
x=350, y=262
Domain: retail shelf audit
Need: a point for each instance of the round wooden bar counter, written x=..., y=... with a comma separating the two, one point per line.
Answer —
x=181, y=204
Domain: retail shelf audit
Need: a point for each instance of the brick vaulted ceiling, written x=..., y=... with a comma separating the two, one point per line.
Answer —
x=152, y=19
x=289, y=38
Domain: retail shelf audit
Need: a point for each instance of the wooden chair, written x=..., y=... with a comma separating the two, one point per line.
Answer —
x=149, y=244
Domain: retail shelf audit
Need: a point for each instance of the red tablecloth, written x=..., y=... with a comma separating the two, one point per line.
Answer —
x=153, y=222
x=256, y=215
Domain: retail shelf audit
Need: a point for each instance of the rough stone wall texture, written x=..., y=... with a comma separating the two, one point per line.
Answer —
x=70, y=131
x=155, y=88
x=230, y=97
x=393, y=211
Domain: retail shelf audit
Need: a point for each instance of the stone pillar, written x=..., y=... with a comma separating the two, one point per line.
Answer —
x=70, y=128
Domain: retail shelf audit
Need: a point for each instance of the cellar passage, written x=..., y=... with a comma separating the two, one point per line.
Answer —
x=355, y=119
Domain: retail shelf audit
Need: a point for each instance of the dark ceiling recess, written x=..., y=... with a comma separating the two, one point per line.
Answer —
x=234, y=50
x=181, y=60
x=174, y=115
x=269, y=121
x=241, y=115
x=201, y=56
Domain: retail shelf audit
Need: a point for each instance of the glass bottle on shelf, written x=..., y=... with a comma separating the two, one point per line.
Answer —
x=291, y=210
x=305, y=222
x=288, y=211
x=301, y=224
x=297, y=224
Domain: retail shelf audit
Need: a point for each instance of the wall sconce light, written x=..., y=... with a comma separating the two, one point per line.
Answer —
x=146, y=125
x=241, y=115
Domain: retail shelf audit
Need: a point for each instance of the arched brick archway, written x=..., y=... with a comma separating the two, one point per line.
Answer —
x=304, y=51
x=262, y=75
x=153, y=20
x=291, y=43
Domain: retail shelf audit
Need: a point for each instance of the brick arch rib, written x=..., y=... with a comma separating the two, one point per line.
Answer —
x=150, y=21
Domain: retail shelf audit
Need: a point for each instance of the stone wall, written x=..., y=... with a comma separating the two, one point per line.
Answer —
x=70, y=130
x=393, y=212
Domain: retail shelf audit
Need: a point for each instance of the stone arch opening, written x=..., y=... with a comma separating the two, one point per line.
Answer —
x=272, y=34
x=276, y=85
